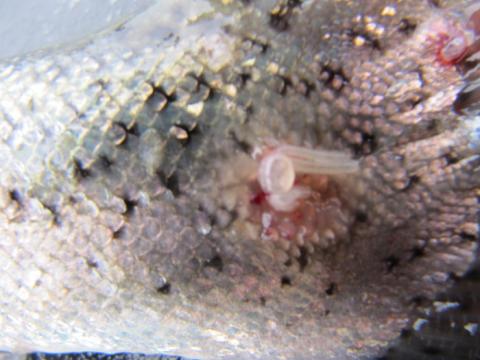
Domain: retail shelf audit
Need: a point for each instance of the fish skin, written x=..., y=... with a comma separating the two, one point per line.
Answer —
x=120, y=236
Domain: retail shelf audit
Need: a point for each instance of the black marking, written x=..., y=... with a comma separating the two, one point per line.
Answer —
x=419, y=300
x=370, y=40
x=435, y=3
x=416, y=252
x=92, y=264
x=118, y=234
x=241, y=144
x=332, y=289
x=334, y=79
x=262, y=45
x=129, y=206
x=79, y=171
x=132, y=130
x=466, y=98
x=105, y=162
x=361, y=217
x=412, y=181
x=406, y=26
x=285, y=83
x=263, y=301
x=406, y=334
x=191, y=132
x=202, y=81
x=15, y=196
x=54, y=212
x=288, y=263
x=305, y=87
x=468, y=237
x=161, y=90
x=285, y=281
x=242, y=79
x=165, y=289
x=431, y=350
x=215, y=262
x=303, y=258
x=391, y=262
x=367, y=146
x=280, y=15
x=170, y=182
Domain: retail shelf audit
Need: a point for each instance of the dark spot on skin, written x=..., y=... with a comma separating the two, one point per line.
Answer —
x=391, y=262
x=332, y=288
x=416, y=252
x=92, y=264
x=15, y=196
x=406, y=26
x=164, y=289
x=263, y=301
x=191, y=132
x=412, y=181
x=54, y=212
x=105, y=162
x=305, y=87
x=201, y=81
x=160, y=90
x=244, y=146
x=414, y=101
x=435, y=3
x=170, y=182
x=285, y=281
x=333, y=78
x=79, y=171
x=327, y=312
x=406, y=334
x=263, y=46
x=431, y=350
x=303, y=258
x=370, y=41
x=466, y=98
x=132, y=130
x=283, y=85
x=288, y=263
x=366, y=147
x=451, y=159
x=118, y=234
x=419, y=300
x=280, y=15
x=361, y=217
x=468, y=237
x=216, y=262
x=243, y=78
x=129, y=206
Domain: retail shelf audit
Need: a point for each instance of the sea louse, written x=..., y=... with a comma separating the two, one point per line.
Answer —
x=295, y=199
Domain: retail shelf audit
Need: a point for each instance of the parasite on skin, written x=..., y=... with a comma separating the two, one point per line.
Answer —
x=277, y=172
x=455, y=36
x=296, y=193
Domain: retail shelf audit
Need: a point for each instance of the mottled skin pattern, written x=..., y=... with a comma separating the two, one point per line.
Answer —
x=125, y=163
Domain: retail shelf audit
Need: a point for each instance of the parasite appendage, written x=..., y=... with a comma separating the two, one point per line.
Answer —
x=296, y=198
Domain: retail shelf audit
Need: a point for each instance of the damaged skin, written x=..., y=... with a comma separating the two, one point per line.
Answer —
x=208, y=238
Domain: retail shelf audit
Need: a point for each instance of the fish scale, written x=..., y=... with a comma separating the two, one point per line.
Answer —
x=127, y=174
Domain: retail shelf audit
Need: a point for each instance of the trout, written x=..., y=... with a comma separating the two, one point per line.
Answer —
x=241, y=179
